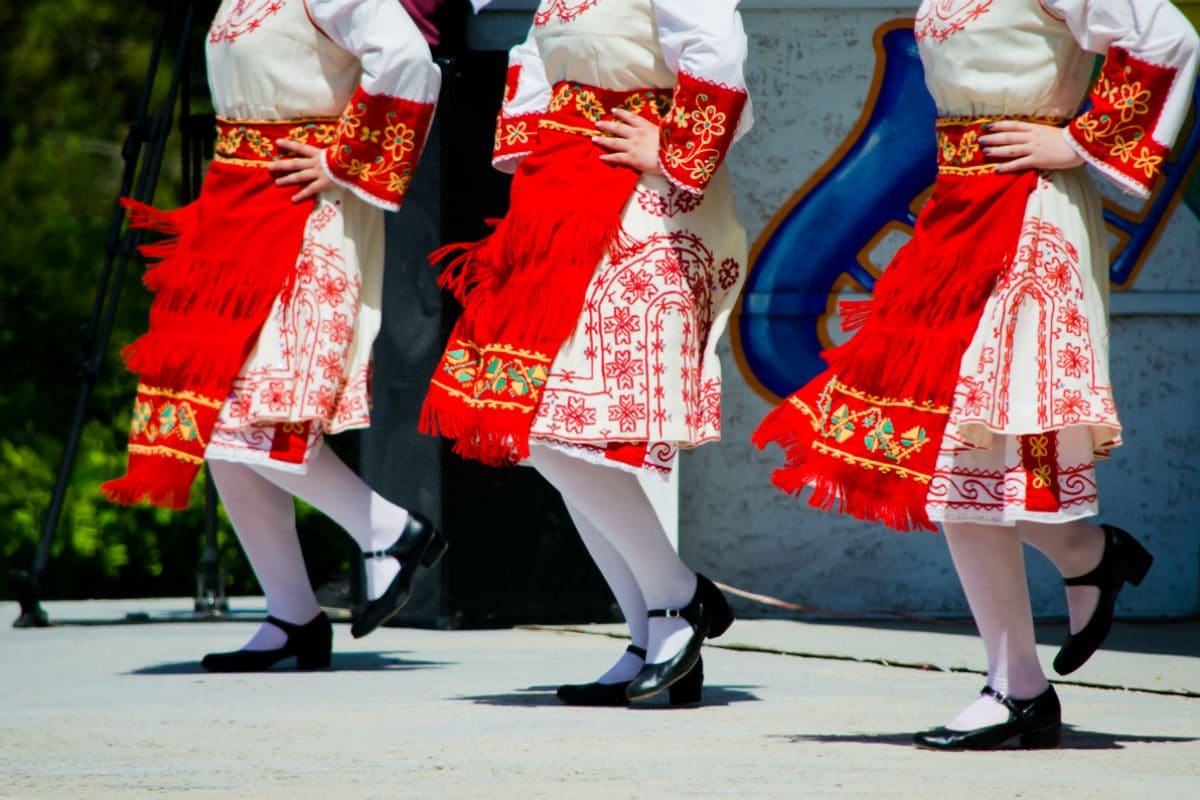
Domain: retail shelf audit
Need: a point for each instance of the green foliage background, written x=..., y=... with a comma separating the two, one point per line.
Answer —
x=70, y=75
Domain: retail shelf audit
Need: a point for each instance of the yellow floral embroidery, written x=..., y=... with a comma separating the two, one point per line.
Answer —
x=378, y=141
x=1125, y=108
x=400, y=140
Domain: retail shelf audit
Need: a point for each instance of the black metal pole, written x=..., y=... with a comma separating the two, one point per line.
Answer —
x=145, y=142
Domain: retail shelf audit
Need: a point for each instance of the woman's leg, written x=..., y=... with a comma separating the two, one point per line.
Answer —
x=1075, y=548
x=264, y=518
x=991, y=568
x=615, y=503
x=336, y=491
x=624, y=587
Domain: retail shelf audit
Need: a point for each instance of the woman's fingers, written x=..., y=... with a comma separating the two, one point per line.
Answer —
x=620, y=159
x=618, y=129
x=312, y=190
x=1007, y=125
x=308, y=173
x=631, y=119
x=614, y=143
x=298, y=147
x=1009, y=151
x=1004, y=138
x=290, y=165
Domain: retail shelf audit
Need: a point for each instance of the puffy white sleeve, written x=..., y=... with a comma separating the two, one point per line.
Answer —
x=704, y=43
x=1142, y=95
x=383, y=129
x=526, y=97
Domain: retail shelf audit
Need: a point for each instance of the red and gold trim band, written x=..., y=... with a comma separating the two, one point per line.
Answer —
x=251, y=143
x=959, y=150
x=576, y=107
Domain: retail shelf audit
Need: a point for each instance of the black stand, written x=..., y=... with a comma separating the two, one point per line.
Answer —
x=142, y=152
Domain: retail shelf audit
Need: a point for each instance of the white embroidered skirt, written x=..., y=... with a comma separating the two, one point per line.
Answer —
x=310, y=371
x=642, y=366
x=1033, y=408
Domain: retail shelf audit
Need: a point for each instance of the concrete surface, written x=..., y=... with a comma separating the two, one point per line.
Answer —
x=92, y=708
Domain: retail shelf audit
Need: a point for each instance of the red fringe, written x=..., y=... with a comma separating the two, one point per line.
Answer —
x=837, y=486
x=162, y=481
x=149, y=217
x=910, y=343
x=854, y=314
x=233, y=252
x=524, y=285
x=500, y=440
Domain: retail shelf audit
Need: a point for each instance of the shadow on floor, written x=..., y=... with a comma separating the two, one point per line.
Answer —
x=1168, y=638
x=342, y=662
x=535, y=696
x=1073, y=739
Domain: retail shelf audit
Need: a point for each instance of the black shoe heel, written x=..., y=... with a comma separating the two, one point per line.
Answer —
x=420, y=543
x=1139, y=562
x=1035, y=723
x=437, y=548
x=709, y=615
x=311, y=644
x=1046, y=739
x=1124, y=560
x=722, y=613
x=688, y=690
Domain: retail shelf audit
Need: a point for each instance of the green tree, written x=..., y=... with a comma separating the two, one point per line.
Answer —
x=73, y=70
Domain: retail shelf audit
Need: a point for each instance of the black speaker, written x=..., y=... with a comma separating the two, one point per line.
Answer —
x=514, y=555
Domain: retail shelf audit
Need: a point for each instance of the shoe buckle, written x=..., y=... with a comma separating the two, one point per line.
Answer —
x=673, y=612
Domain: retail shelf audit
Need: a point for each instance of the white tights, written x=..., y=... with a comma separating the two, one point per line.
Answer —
x=625, y=538
x=259, y=501
x=991, y=567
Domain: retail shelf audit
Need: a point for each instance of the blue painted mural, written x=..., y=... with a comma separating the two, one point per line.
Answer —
x=820, y=243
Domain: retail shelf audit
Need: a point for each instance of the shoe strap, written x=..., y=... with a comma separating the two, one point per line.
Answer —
x=664, y=612
x=999, y=697
x=376, y=554
x=287, y=627
x=640, y=652
x=1019, y=707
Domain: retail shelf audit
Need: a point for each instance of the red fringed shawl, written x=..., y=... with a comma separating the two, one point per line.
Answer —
x=523, y=287
x=866, y=432
x=233, y=252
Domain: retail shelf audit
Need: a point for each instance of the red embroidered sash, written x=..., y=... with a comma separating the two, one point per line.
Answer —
x=251, y=143
x=523, y=286
x=866, y=433
x=232, y=253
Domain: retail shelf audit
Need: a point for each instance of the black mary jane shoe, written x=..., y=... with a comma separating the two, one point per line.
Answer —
x=709, y=615
x=310, y=643
x=419, y=543
x=1037, y=723
x=684, y=692
x=687, y=690
x=599, y=694
x=1124, y=561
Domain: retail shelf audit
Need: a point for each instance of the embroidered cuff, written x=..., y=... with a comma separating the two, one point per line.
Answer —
x=516, y=134
x=1115, y=134
x=698, y=131
x=379, y=140
x=516, y=137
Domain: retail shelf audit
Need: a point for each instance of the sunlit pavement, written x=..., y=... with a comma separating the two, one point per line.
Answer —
x=99, y=707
